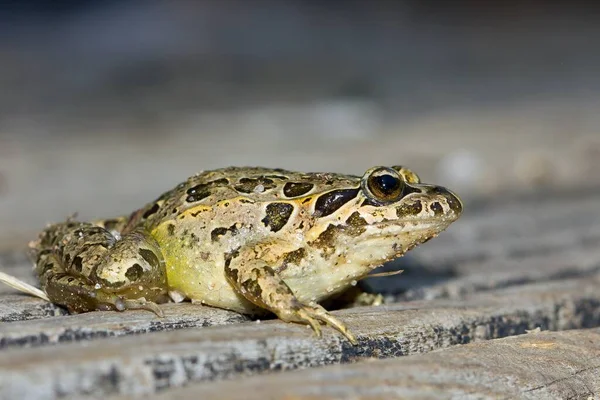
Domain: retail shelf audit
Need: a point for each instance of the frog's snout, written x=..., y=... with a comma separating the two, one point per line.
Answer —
x=454, y=202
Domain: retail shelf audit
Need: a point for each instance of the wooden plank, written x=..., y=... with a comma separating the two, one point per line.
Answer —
x=544, y=365
x=162, y=360
x=21, y=307
x=69, y=328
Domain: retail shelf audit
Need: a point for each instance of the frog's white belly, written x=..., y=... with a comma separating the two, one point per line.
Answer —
x=317, y=278
x=205, y=282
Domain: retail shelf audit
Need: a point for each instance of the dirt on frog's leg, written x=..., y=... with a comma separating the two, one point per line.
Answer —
x=260, y=284
x=84, y=267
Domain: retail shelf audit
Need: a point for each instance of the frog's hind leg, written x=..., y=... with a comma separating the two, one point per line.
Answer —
x=84, y=267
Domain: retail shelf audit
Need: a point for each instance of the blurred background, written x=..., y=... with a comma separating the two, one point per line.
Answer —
x=106, y=104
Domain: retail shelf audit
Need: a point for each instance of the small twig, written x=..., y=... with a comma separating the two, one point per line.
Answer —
x=22, y=286
x=388, y=273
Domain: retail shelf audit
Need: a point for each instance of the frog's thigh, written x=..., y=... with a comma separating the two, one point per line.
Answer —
x=260, y=284
x=87, y=270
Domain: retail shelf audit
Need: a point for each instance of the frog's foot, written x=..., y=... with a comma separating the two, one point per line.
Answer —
x=78, y=295
x=111, y=301
x=82, y=296
x=313, y=315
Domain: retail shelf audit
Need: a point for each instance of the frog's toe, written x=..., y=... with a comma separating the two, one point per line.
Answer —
x=142, y=304
x=339, y=326
x=111, y=301
x=305, y=316
x=313, y=314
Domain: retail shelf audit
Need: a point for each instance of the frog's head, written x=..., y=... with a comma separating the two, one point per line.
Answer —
x=380, y=216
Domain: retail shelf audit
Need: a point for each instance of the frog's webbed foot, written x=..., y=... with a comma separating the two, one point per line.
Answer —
x=261, y=285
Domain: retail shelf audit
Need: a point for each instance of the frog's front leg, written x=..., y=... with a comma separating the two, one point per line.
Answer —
x=84, y=267
x=260, y=284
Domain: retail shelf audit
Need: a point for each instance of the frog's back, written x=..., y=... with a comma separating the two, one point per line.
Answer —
x=245, y=185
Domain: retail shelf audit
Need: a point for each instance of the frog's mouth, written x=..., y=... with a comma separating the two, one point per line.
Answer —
x=379, y=244
x=416, y=228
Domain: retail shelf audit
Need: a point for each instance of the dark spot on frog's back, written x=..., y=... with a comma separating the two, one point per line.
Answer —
x=78, y=264
x=202, y=186
x=330, y=202
x=216, y=233
x=197, y=195
x=278, y=214
x=296, y=189
x=134, y=272
x=151, y=211
x=281, y=177
x=150, y=257
x=248, y=185
x=202, y=191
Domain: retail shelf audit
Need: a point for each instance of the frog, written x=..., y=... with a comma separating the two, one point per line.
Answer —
x=252, y=240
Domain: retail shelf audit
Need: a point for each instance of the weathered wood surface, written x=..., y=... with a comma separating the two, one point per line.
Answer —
x=155, y=362
x=505, y=268
x=545, y=365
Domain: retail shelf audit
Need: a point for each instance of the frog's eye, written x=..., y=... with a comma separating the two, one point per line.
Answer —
x=407, y=174
x=383, y=184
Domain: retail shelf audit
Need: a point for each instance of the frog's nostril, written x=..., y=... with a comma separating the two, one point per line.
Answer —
x=453, y=200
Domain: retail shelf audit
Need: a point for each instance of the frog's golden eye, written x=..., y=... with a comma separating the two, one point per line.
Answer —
x=383, y=184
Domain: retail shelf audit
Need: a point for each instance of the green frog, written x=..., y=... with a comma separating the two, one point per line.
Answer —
x=252, y=240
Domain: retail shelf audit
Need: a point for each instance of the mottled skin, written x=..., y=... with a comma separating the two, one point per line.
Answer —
x=245, y=239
